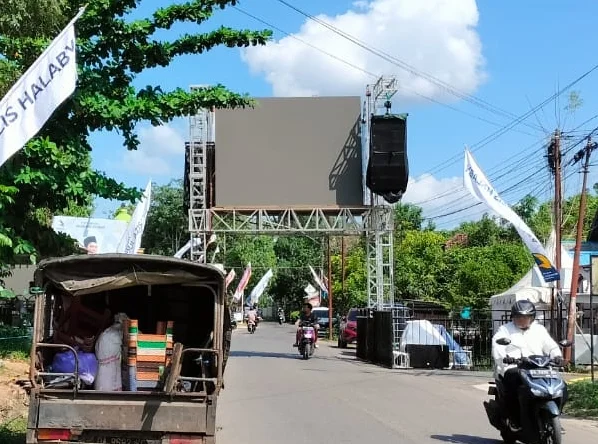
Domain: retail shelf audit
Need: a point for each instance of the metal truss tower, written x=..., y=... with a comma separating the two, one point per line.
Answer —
x=200, y=135
x=379, y=248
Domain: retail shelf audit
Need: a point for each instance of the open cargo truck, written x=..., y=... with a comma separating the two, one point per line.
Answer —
x=175, y=342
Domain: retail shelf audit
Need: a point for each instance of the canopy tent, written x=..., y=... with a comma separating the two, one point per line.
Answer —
x=532, y=286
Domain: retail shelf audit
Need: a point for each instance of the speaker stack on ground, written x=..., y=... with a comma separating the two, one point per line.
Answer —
x=387, y=172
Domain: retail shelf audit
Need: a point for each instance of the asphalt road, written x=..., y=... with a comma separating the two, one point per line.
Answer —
x=272, y=396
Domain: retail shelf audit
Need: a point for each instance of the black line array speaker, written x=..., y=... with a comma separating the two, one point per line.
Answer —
x=388, y=167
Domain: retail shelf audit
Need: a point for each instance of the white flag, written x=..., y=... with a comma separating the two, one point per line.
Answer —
x=479, y=186
x=131, y=241
x=31, y=101
x=318, y=280
x=257, y=291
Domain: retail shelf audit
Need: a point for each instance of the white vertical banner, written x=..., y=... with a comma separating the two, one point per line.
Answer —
x=258, y=290
x=48, y=82
x=131, y=241
x=318, y=280
x=479, y=186
x=243, y=283
x=312, y=295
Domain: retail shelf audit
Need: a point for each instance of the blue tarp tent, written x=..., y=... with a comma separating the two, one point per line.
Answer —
x=461, y=357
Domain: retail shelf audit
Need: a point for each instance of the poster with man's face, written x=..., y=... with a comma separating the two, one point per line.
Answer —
x=95, y=236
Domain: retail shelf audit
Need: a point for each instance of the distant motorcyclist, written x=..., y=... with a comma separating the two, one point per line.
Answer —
x=528, y=338
x=252, y=316
x=307, y=316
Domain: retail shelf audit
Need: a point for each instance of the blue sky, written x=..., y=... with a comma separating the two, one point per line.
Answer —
x=511, y=54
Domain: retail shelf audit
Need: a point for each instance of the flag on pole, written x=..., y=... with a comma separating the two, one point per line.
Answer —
x=257, y=291
x=131, y=240
x=243, y=283
x=31, y=101
x=480, y=187
x=318, y=281
x=230, y=276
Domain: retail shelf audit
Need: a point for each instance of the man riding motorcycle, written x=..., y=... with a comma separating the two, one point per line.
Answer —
x=252, y=316
x=307, y=316
x=529, y=338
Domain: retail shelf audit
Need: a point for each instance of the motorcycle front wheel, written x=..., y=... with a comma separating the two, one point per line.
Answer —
x=551, y=430
x=306, y=351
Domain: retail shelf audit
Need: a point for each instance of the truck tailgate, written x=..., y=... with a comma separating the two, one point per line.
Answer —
x=118, y=414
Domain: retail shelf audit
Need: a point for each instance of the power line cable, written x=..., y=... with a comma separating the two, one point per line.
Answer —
x=406, y=66
x=369, y=73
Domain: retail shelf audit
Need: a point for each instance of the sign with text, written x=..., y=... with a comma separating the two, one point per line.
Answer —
x=94, y=236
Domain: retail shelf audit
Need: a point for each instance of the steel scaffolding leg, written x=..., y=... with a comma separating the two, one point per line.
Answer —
x=380, y=257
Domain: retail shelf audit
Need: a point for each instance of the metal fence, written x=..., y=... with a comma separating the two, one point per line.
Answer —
x=469, y=340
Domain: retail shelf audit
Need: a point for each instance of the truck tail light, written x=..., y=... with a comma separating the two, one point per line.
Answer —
x=53, y=434
x=183, y=439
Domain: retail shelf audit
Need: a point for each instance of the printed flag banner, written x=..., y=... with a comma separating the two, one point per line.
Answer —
x=243, y=283
x=230, y=276
x=259, y=289
x=131, y=241
x=479, y=186
x=33, y=99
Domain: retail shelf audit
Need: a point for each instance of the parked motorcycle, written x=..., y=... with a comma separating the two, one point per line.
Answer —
x=544, y=396
x=307, y=341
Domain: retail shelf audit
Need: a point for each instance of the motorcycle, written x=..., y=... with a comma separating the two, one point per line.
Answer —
x=280, y=318
x=251, y=326
x=307, y=341
x=542, y=399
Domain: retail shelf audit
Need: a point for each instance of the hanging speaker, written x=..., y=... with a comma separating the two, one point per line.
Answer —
x=387, y=172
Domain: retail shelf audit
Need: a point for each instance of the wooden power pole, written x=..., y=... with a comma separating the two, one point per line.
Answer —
x=571, y=321
x=555, y=156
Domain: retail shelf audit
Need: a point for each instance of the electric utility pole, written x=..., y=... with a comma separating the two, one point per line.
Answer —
x=571, y=321
x=554, y=162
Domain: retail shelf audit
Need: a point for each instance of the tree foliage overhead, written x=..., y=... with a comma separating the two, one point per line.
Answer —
x=53, y=173
x=167, y=226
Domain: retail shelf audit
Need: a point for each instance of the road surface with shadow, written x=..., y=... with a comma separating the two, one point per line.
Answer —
x=268, y=388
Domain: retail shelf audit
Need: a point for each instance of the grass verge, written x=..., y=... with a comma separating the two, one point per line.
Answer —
x=583, y=399
x=13, y=431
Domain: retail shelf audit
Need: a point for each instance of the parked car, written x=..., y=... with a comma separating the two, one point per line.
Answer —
x=348, y=329
x=324, y=320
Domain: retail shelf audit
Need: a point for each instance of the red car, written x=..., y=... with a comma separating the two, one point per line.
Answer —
x=348, y=329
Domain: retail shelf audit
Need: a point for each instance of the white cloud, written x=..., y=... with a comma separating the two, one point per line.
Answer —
x=443, y=197
x=437, y=37
x=160, y=153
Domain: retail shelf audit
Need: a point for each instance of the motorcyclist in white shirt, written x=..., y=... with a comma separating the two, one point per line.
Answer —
x=528, y=338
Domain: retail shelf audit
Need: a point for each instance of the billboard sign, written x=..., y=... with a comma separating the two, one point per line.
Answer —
x=95, y=236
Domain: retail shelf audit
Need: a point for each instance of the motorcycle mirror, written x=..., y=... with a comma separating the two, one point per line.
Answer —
x=565, y=343
x=503, y=341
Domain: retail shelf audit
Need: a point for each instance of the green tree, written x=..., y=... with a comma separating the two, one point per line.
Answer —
x=419, y=265
x=355, y=293
x=294, y=255
x=53, y=172
x=477, y=273
x=167, y=226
